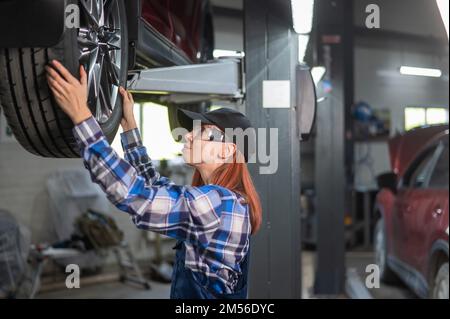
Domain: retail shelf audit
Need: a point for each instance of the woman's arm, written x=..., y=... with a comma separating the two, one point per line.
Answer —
x=136, y=154
x=134, y=150
x=182, y=212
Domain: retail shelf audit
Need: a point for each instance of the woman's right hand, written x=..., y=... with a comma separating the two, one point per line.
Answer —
x=128, y=122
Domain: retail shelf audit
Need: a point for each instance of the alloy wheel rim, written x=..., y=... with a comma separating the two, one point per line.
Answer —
x=99, y=42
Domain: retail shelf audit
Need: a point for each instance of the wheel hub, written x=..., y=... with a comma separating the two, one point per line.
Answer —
x=99, y=40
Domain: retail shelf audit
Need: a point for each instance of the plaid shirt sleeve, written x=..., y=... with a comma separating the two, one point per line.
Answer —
x=182, y=212
x=136, y=154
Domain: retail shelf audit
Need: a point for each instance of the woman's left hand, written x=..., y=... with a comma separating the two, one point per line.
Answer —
x=128, y=121
x=70, y=94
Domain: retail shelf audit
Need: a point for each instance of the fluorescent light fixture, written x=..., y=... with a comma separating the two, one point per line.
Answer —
x=303, y=41
x=302, y=15
x=317, y=73
x=409, y=70
x=228, y=53
x=443, y=9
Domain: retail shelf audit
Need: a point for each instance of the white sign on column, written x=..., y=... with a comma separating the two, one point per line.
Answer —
x=276, y=94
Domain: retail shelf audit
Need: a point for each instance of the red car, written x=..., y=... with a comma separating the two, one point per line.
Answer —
x=112, y=38
x=411, y=235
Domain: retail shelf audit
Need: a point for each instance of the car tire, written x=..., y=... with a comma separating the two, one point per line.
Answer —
x=441, y=283
x=30, y=109
x=381, y=254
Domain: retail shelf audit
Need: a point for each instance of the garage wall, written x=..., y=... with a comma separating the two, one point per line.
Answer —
x=419, y=17
x=228, y=32
x=407, y=25
x=22, y=187
x=228, y=24
x=378, y=82
x=23, y=192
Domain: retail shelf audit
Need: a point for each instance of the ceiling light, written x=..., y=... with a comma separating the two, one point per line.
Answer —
x=317, y=73
x=409, y=70
x=302, y=15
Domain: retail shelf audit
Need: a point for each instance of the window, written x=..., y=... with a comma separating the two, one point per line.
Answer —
x=439, y=177
x=155, y=132
x=116, y=144
x=418, y=172
x=419, y=116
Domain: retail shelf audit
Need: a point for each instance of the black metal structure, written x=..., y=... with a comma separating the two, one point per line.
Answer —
x=334, y=151
x=276, y=249
x=36, y=23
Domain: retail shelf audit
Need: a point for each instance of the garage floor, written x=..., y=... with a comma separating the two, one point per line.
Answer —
x=113, y=290
x=359, y=261
x=116, y=290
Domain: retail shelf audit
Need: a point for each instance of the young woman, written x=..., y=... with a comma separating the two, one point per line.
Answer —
x=212, y=219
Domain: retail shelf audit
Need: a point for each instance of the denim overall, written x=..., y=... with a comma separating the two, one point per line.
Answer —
x=188, y=285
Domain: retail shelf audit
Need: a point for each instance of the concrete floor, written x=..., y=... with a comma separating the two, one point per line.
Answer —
x=117, y=290
x=359, y=261
x=112, y=290
x=307, y=274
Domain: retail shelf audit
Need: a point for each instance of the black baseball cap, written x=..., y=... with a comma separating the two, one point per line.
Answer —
x=223, y=118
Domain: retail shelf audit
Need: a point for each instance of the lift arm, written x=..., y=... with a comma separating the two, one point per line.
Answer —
x=221, y=79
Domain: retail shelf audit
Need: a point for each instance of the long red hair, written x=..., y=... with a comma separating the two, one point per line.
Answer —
x=236, y=177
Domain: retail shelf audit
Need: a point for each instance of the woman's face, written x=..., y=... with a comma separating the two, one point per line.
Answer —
x=206, y=147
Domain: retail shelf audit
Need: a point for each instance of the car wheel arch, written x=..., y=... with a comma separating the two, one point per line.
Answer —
x=380, y=213
x=439, y=254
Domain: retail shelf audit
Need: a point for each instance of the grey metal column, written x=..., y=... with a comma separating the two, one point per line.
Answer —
x=272, y=53
x=333, y=152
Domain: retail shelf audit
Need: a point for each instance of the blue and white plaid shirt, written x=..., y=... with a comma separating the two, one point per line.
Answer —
x=213, y=222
